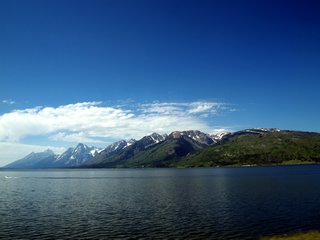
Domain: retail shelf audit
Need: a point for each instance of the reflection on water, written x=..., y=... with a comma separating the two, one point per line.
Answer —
x=217, y=203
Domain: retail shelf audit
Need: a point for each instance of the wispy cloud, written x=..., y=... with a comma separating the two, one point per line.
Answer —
x=92, y=122
x=184, y=108
x=8, y=101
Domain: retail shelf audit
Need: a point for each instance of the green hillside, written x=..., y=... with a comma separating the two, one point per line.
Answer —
x=283, y=147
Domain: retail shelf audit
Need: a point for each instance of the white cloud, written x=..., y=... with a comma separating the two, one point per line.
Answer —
x=74, y=137
x=221, y=130
x=204, y=107
x=8, y=101
x=91, y=122
x=14, y=151
x=184, y=108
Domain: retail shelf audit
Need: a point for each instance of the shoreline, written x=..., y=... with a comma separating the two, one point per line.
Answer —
x=114, y=168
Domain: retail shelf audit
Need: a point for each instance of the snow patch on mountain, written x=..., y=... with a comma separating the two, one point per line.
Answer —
x=74, y=157
x=152, y=139
x=197, y=136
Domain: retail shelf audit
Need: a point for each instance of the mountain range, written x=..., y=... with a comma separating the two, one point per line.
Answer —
x=72, y=157
x=191, y=148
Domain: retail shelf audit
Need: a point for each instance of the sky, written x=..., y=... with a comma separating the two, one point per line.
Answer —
x=100, y=71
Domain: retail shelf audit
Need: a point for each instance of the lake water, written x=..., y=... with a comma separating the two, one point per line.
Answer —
x=203, y=203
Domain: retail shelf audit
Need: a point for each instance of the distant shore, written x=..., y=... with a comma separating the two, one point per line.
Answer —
x=287, y=163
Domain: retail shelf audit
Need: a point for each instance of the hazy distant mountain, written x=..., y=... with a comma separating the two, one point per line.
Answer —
x=73, y=157
x=34, y=160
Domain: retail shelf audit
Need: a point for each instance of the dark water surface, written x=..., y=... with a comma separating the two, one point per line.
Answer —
x=203, y=203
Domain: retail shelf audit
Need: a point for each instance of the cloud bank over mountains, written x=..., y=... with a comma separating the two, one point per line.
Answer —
x=94, y=123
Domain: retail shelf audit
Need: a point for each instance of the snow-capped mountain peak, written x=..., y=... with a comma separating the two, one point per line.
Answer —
x=152, y=139
x=267, y=129
x=218, y=136
x=76, y=156
x=157, y=137
x=130, y=142
x=117, y=146
x=198, y=136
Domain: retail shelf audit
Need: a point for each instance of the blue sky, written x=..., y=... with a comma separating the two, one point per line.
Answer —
x=219, y=64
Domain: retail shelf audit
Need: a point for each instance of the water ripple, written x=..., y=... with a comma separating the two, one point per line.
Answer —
x=158, y=204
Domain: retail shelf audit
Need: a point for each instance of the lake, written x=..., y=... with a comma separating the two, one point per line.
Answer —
x=202, y=203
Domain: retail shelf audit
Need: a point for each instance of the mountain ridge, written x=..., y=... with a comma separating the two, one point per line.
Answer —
x=72, y=157
x=190, y=148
